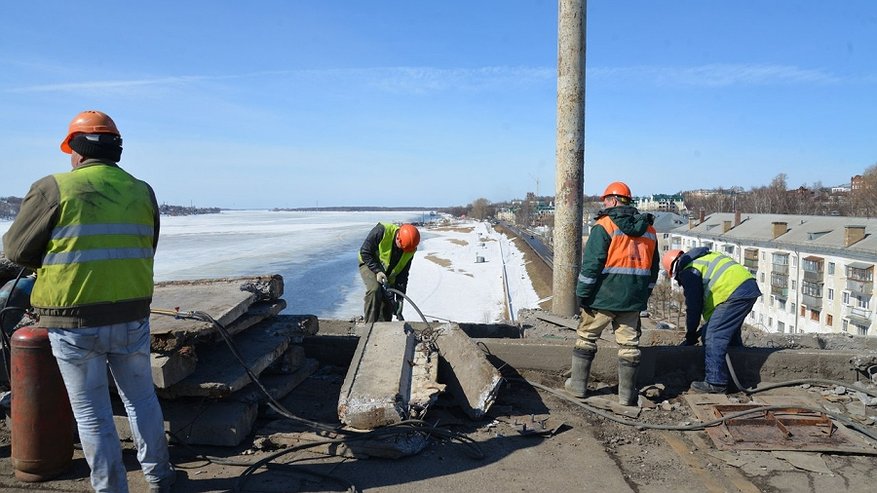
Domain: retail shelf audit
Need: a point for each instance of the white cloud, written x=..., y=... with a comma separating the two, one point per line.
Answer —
x=716, y=75
x=390, y=79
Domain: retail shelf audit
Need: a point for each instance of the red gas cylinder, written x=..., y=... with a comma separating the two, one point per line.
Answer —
x=42, y=421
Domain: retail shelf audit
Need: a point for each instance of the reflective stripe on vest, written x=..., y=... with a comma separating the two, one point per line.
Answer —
x=628, y=255
x=101, y=249
x=721, y=276
x=385, y=251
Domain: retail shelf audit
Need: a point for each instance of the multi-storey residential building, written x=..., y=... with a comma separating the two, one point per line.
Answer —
x=816, y=273
x=660, y=202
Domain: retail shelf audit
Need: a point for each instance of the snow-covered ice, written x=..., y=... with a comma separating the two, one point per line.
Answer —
x=316, y=253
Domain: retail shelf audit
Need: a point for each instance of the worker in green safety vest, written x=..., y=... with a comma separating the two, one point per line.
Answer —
x=91, y=235
x=384, y=263
x=723, y=292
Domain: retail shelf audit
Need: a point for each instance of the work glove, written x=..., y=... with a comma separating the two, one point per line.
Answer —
x=691, y=337
x=381, y=277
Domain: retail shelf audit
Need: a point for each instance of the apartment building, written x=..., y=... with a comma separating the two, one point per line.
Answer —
x=816, y=273
x=660, y=202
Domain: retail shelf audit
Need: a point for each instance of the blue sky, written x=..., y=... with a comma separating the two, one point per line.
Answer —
x=395, y=103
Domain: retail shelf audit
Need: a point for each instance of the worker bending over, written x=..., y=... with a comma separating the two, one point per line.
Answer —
x=724, y=292
x=384, y=262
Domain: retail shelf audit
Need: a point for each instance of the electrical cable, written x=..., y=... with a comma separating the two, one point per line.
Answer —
x=269, y=460
x=790, y=383
x=472, y=447
x=700, y=425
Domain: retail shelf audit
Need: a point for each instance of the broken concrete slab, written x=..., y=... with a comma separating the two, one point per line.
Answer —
x=279, y=386
x=265, y=287
x=219, y=374
x=424, y=379
x=219, y=423
x=170, y=368
x=225, y=300
x=291, y=360
x=199, y=421
x=377, y=388
x=257, y=312
x=469, y=376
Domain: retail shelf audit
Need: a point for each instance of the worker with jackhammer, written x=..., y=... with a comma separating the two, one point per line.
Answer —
x=91, y=235
x=384, y=262
x=620, y=266
x=724, y=292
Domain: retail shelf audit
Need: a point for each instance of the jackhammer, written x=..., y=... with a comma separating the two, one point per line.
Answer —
x=395, y=300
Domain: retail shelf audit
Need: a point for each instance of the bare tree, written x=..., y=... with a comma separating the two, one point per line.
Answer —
x=659, y=301
x=864, y=198
x=777, y=193
x=481, y=209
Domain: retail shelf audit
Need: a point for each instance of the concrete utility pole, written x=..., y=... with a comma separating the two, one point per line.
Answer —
x=570, y=154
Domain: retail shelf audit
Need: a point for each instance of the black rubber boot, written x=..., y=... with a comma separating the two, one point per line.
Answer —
x=628, y=395
x=577, y=384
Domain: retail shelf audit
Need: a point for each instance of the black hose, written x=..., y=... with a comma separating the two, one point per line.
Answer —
x=5, y=342
x=790, y=383
x=400, y=293
x=701, y=425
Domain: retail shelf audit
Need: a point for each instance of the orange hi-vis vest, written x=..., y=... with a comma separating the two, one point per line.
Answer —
x=629, y=255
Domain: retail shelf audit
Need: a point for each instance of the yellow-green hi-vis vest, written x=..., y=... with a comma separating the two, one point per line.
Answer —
x=101, y=249
x=721, y=276
x=385, y=249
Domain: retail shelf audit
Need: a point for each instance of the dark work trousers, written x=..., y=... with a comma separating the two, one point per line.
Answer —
x=377, y=307
x=723, y=330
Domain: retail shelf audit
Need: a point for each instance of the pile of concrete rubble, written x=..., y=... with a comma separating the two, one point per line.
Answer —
x=209, y=398
x=206, y=394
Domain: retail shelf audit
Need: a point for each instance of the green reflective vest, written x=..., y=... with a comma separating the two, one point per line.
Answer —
x=721, y=276
x=101, y=248
x=385, y=249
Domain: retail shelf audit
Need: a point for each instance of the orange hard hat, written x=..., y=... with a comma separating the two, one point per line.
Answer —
x=616, y=188
x=89, y=122
x=408, y=237
x=669, y=259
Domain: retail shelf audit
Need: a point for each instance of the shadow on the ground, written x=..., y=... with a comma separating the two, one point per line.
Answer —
x=500, y=433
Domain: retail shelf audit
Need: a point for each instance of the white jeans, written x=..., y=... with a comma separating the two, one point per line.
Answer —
x=83, y=355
